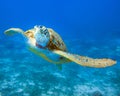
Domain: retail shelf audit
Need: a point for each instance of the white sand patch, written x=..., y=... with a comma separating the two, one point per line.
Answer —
x=85, y=90
x=26, y=94
x=19, y=90
x=59, y=75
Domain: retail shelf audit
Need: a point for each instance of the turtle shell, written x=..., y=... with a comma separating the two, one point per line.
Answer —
x=56, y=42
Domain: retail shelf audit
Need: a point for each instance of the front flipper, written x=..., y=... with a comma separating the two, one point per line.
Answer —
x=86, y=61
x=13, y=31
x=39, y=53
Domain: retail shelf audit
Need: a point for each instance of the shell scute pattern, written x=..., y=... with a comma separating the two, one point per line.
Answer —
x=56, y=41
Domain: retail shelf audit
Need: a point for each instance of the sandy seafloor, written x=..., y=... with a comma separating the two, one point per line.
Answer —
x=22, y=73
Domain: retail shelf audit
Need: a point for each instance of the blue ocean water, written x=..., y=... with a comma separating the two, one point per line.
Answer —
x=89, y=28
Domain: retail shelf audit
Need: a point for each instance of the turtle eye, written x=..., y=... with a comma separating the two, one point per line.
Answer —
x=41, y=26
x=44, y=31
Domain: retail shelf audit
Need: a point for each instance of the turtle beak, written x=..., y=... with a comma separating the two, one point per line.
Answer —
x=29, y=34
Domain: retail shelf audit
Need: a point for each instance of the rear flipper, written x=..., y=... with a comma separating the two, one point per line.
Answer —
x=86, y=61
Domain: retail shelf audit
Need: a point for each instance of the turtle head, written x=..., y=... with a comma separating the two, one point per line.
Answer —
x=41, y=35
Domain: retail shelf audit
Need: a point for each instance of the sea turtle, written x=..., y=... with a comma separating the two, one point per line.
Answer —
x=46, y=39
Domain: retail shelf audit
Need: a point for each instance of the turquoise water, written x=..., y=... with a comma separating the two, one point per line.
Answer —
x=22, y=73
x=88, y=27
